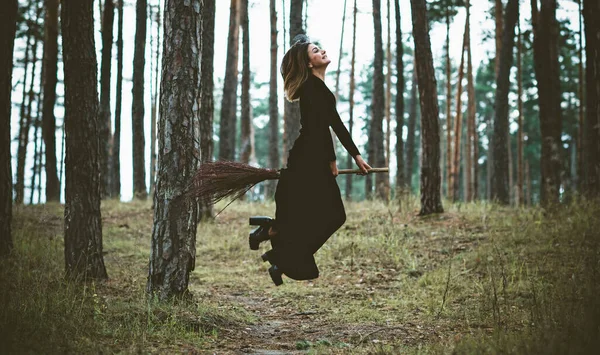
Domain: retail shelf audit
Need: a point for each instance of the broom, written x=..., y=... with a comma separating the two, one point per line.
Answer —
x=217, y=180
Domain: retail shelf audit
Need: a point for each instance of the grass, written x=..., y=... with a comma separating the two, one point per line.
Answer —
x=477, y=279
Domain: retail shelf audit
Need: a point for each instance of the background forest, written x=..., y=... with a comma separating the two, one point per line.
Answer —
x=482, y=238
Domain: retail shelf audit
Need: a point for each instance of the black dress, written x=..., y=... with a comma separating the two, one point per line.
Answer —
x=309, y=205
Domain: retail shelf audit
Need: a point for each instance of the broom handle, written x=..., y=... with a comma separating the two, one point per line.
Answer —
x=357, y=171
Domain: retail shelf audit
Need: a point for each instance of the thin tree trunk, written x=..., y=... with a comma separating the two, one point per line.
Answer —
x=448, y=109
x=580, y=133
x=36, y=154
x=83, y=221
x=351, y=98
x=116, y=138
x=498, y=15
x=455, y=183
x=173, y=249
x=519, y=197
x=227, y=127
x=247, y=134
x=528, y=181
x=104, y=122
x=153, y=110
x=591, y=13
x=340, y=54
x=471, y=113
x=376, y=140
x=412, y=125
x=291, y=118
x=50, y=81
x=388, y=88
x=431, y=201
x=8, y=20
x=500, y=187
x=400, y=179
x=547, y=76
x=274, y=157
x=137, y=116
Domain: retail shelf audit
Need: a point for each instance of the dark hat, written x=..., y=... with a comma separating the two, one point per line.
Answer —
x=300, y=38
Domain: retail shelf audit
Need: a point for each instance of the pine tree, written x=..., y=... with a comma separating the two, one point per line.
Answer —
x=116, y=138
x=137, y=115
x=104, y=122
x=274, y=156
x=430, y=135
x=591, y=13
x=247, y=130
x=8, y=20
x=83, y=221
x=400, y=178
x=229, y=100
x=173, y=249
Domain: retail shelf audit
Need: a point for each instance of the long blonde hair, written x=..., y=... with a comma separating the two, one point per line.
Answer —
x=294, y=69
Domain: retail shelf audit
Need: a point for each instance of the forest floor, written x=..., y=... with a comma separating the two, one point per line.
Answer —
x=478, y=278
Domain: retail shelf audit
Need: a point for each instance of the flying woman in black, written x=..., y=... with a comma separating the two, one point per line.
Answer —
x=309, y=205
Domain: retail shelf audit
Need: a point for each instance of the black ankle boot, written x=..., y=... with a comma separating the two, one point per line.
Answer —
x=276, y=274
x=261, y=233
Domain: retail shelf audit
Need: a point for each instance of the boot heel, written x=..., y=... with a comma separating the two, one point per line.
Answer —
x=276, y=274
x=260, y=220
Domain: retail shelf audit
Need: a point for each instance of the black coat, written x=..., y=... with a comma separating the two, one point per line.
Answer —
x=309, y=205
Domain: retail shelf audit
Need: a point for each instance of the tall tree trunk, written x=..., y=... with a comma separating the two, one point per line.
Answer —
x=247, y=134
x=227, y=127
x=274, y=157
x=37, y=147
x=8, y=20
x=471, y=113
x=547, y=76
x=340, y=55
x=137, y=116
x=104, y=122
x=207, y=97
x=412, y=125
x=116, y=138
x=83, y=221
x=400, y=179
x=376, y=138
x=500, y=186
x=291, y=117
x=519, y=192
x=23, y=124
x=388, y=88
x=173, y=250
x=153, y=110
x=448, y=109
x=528, y=181
x=453, y=190
x=50, y=80
x=580, y=133
x=498, y=16
x=431, y=201
x=351, y=98
x=591, y=13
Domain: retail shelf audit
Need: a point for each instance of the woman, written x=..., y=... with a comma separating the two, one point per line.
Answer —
x=309, y=205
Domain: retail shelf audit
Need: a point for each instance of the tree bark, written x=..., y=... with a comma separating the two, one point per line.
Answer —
x=247, y=134
x=8, y=20
x=116, y=138
x=547, y=76
x=580, y=134
x=274, y=157
x=153, y=109
x=340, y=55
x=591, y=12
x=412, y=125
x=453, y=190
x=83, y=222
x=430, y=134
x=173, y=249
x=291, y=118
x=500, y=185
x=227, y=127
x=498, y=16
x=519, y=192
x=400, y=178
x=388, y=88
x=351, y=98
x=377, y=106
x=448, y=109
x=207, y=97
x=471, y=114
x=137, y=116
x=104, y=123
x=49, y=101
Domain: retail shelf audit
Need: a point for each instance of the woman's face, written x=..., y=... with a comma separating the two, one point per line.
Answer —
x=317, y=57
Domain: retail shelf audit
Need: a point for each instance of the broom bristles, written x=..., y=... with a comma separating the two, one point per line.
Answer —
x=218, y=180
